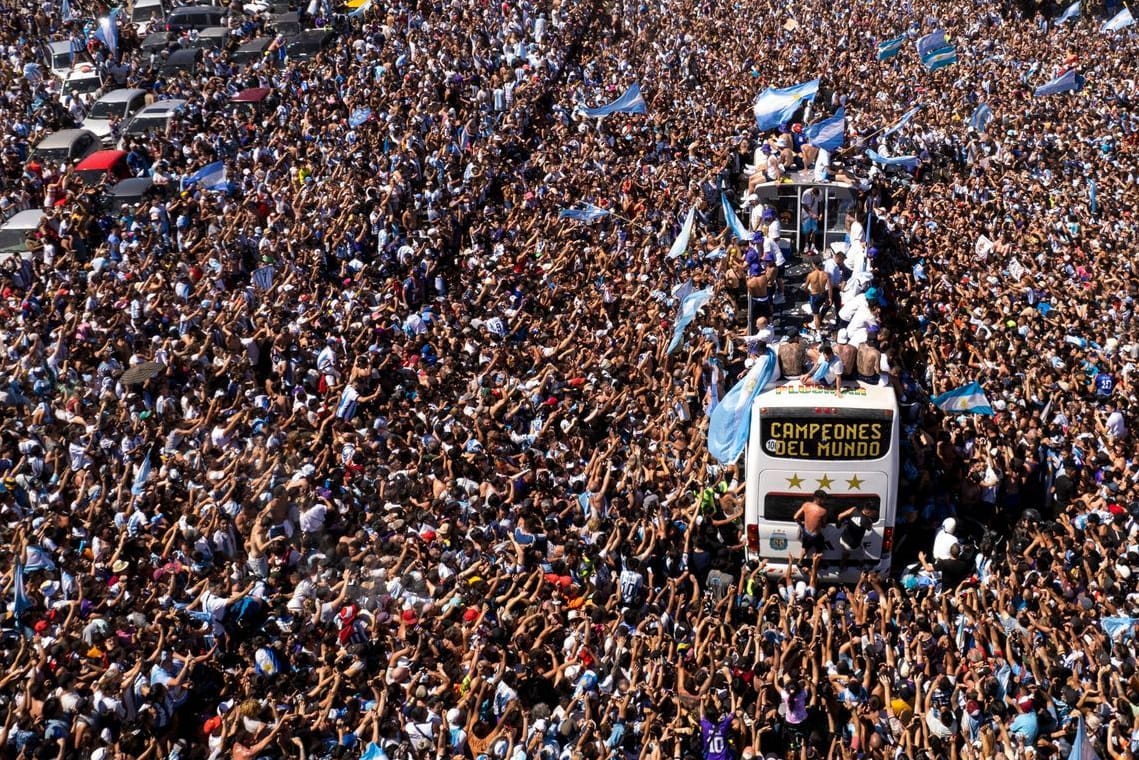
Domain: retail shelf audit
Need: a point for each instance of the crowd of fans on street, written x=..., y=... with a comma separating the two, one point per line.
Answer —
x=370, y=453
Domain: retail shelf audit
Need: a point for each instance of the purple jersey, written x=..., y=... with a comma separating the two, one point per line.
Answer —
x=716, y=746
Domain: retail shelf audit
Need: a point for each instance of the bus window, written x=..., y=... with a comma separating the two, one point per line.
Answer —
x=781, y=507
x=839, y=202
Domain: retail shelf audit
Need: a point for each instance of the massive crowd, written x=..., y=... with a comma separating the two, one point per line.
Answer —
x=431, y=486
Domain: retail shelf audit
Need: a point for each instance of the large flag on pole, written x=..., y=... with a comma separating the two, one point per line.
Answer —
x=734, y=224
x=902, y=121
x=890, y=48
x=968, y=399
x=776, y=106
x=1121, y=20
x=691, y=304
x=1071, y=12
x=828, y=133
x=931, y=42
x=940, y=58
x=107, y=32
x=1069, y=81
x=680, y=245
x=630, y=102
x=20, y=601
x=729, y=422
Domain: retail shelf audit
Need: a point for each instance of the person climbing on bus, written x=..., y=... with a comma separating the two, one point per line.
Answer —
x=812, y=518
x=854, y=524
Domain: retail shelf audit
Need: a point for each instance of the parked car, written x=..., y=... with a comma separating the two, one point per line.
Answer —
x=147, y=15
x=84, y=82
x=186, y=60
x=61, y=57
x=247, y=52
x=198, y=17
x=121, y=104
x=308, y=44
x=103, y=164
x=65, y=147
x=155, y=117
x=14, y=234
x=134, y=190
x=214, y=38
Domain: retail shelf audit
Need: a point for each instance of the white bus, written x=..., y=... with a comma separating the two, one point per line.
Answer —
x=804, y=440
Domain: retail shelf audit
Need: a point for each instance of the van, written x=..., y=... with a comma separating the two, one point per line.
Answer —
x=120, y=104
x=65, y=147
x=104, y=164
x=14, y=234
x=197, y=17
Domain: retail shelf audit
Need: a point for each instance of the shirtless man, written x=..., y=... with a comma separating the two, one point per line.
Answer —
x=812, y=518
x=818, y=292
x=757, y=291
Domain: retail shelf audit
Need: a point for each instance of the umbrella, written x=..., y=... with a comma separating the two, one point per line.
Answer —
x=141, y=372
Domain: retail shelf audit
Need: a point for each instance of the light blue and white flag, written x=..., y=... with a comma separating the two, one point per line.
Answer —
x=734, y=224
x=930, y=42
x=1118, y=627
x=36, y=559
x=828, y=133
x=902, y=121
x=107, y=31
x=1121, y=20
x=968, y=399
x=66, y=13
x=729, y=422
x=141, y=476
x=1082, y=747
x=262, y=277
x=1071, y=12
x=359, y=116
x=630, y=102
x=349, y=401
x=680, y=245
x=691, y=304
x=1069, y=81
x=981, y=117
x=1093, y=192
x=587, y=213
x=890, y=48
x=20, y=601
x=940, y=58
x=211, y=177
x=909, y=162
x=776, y=106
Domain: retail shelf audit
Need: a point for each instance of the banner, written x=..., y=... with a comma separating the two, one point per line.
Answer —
x=729, y=423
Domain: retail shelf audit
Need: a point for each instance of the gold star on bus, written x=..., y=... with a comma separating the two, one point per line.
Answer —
x=855, y=483
x=824, y=482
x=795, y=481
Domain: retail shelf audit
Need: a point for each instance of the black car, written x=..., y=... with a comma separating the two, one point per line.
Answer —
x=197, y=17
x=306, y=45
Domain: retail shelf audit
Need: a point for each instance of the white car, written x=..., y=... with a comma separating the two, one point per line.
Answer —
x=61, y=58
x=147, y=15
x=84, y=82
x=122, y=104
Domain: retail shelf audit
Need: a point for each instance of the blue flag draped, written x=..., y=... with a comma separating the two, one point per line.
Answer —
x=630, y=102
x=691, y=304
x=1118, y=627
x=890, y=48
x=968, y=399
x=142, y=476
x=776, y=106
x=909, y=162
x=211, y=177
x=930, y=42
x=828, y=133
x=587, y=213
x=1121, y=20
x=1069, y=81
x=359, y=116
x=981, y=117
x=734, y=224
x=1071, y=12
x=1082, y=747
x=729, y=421
x=1093, y=189
x=20, y=601
x=902, y=121
x=680, y=245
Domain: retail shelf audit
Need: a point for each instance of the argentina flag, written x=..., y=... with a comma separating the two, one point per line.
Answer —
x=902, y=121
x=349, y=400
x=587, y=213
x=733, y=221
x=940, y=58
x=691, y=304
x=107, y=32
x=890, y=48
x=968, y=399
x=210, y=176
x=828, y=133
x=909, y=162
x=930, y=42
x=1069, y=81
x=728, y=423
x=680, y=245
x=981, y=117
x=1121, y=20
x=21, y=603
x=776, y=106
x=262, y=277
x=630, y=102
x=1071, y=12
